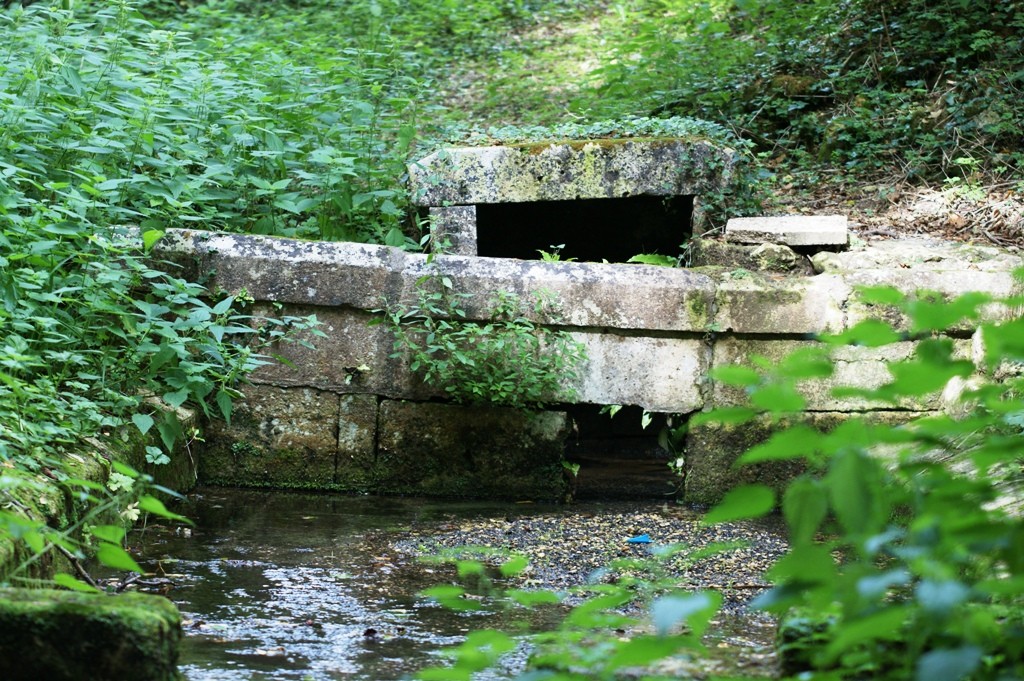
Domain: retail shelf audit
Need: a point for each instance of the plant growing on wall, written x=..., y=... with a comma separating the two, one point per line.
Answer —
x=507, y=360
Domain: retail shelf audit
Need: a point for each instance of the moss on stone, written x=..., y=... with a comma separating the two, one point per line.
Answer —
x=61, y=635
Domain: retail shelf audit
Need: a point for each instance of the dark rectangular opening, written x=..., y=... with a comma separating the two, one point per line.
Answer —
x=618, y=457
x=592, y=230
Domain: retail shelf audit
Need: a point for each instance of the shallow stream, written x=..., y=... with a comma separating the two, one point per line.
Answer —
x=276, y=585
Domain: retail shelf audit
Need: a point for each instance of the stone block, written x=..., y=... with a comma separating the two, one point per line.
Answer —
x=472, y=451
x=950, y=284
x=454, y=229
x=68, y=636
x=567, y=171
x=278, y=437
x=918, y=254
x=579, y=294
x=351, y=357
x=758, y=258
x=791, y=230
x=712, y=451
x=658, y=374
x=322, y=273
x=854, y=366
x=748, y=302
x=357, y=441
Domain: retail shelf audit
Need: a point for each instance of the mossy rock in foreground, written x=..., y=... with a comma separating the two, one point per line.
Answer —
x=61, y=635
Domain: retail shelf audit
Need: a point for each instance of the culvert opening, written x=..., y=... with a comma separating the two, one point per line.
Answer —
x=618, y=457
x=592, y=230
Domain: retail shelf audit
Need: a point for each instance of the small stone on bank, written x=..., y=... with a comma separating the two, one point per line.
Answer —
x=791, y=230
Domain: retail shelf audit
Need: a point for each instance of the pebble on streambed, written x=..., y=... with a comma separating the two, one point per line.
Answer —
x=573, y=546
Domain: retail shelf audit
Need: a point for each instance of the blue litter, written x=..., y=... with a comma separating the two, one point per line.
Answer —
x=639, y=539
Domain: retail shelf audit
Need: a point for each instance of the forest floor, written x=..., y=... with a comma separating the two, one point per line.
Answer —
x=992, y=216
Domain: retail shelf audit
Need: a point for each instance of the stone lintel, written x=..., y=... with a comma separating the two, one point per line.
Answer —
x=617, y=296
x=569, y=170
x=791, y=230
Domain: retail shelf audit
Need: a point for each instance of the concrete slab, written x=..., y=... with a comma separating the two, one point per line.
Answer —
x=791, y=230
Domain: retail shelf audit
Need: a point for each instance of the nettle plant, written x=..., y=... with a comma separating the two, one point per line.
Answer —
x=180, y=125
x=97, y=337
x=906, y=556
x=507, y=360
x=907, y=546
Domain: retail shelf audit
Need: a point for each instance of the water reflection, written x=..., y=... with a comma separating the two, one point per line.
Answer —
x=291, y=586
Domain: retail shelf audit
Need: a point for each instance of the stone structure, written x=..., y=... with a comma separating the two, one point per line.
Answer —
x=452, y=183
x=348, y=415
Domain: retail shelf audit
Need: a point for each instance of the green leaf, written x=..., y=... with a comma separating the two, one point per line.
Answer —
x=806, y=363
x=795, y=442
x=170, y=430
x=643, y=650
x=932, y=313
x=143, y=422
x=885, y=625
x=223, y=306
x=880, y=295
x=735, y=374
x=915, y=377
x=465, y=568
x=778, y=398
x=804, y=506
x=695, y=610
x=806, y=564
x=515, y=565
x=151, y=504
x=113, y=556
x=110, y=533
x=939, y=597
x=748, y=501
x=948, y=664
x=225, y=404
x=177, y=398
x=124, y=469
x=654, y=259
x=855, y=485
x=394, y=237
x=73, y=583
x=530, y=599
x=722, y=415
x=870, y=333
x=150, y=237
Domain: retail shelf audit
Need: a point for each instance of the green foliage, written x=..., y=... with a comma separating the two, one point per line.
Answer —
x=127, y=122
x=869, y=84
x=507, y=360
x=89, y=535
x=94, y=330
x=588, y=643
x=924, y=516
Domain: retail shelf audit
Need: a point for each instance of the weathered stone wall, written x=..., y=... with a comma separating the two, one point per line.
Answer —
x=349, y=416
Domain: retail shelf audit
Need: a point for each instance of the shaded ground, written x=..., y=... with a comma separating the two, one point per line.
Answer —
x=961, y=211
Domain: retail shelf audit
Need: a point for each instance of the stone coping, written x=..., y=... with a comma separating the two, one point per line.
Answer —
x=623, y=297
